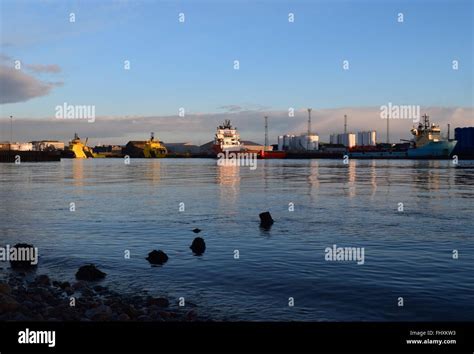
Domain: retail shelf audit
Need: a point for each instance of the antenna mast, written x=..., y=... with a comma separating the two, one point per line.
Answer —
x=266, y=134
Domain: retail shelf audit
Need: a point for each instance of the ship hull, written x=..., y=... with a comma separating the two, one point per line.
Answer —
x=271, y=154
x=218, y=149
x=434, y=149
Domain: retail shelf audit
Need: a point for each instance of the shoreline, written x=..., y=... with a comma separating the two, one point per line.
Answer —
x=43, y=299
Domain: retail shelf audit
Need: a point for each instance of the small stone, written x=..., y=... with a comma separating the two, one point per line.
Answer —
x=99, y=288
x=100, y=313
x=123, y=317
x=43, y=280
x=78, y=285
x=191, y=315
x=5, y=288
x=8, y=303
x=157, y=257
x=89, y=273
x=65, y=285
x=196, y=230
x=160, y=302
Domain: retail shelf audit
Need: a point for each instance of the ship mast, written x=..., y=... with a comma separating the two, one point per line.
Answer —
x=388, y=129
x=309, y=128
x=266, y=134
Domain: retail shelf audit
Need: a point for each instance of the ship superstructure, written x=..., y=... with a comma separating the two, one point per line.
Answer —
x=227, y=138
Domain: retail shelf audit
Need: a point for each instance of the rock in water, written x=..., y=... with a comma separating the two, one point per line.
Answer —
x=266, y=219
x=157, y=257
x=23, y=250
x=90, y=273
x=196, y=231
x=198, y=246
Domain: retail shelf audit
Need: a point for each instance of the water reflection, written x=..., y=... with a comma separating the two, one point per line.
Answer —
x=153, y=171
x=373, y=178
x=228, y=179
x=313, y=178
x=78, y=172
x=351, y=178
x=427, y=176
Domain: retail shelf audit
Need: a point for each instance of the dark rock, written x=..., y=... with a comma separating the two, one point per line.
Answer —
x=64, y=285
x=99, y=313
x=196, y=231
x=198, y=246
x=24, y=265
x=124, y=317
x=8, y=303
x=160, y=302
x=89, y=273
x=86, y=292
x=157, y=257
x=266, y=220
x=78, y=285
x=5, y=288
x=43, y=280
x=191, y=315
x=99, y=289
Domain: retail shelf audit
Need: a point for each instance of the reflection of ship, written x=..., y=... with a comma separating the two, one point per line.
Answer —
x=227, y=138
x=78, y=149
x=145, y=149
x=427, y=143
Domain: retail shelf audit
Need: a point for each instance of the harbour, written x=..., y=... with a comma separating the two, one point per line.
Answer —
x=427, y=143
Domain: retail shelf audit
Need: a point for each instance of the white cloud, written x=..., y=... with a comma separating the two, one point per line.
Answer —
x=200, y=128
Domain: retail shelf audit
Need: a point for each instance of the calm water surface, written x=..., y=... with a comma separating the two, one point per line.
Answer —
x=136, y=208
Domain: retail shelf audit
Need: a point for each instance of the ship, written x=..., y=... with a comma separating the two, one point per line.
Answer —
x=227, y=139
x=427, y=143
x=78, y=149
x=151, y=148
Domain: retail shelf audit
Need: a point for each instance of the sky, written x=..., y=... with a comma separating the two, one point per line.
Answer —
x=190, y=65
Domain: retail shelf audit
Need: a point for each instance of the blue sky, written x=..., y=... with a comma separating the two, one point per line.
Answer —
x=282, y=64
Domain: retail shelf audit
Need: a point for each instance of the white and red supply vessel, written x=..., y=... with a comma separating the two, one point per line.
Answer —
x=227, y=139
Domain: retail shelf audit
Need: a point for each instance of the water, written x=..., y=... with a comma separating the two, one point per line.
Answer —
x=118, y=207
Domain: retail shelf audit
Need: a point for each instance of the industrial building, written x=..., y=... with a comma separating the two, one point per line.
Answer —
x=367, y=138
x=301, y=142
x=16, y=146
x=44, y=145
x=346, y=139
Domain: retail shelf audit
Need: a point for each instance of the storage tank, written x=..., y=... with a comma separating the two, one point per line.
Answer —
x=280, y=143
